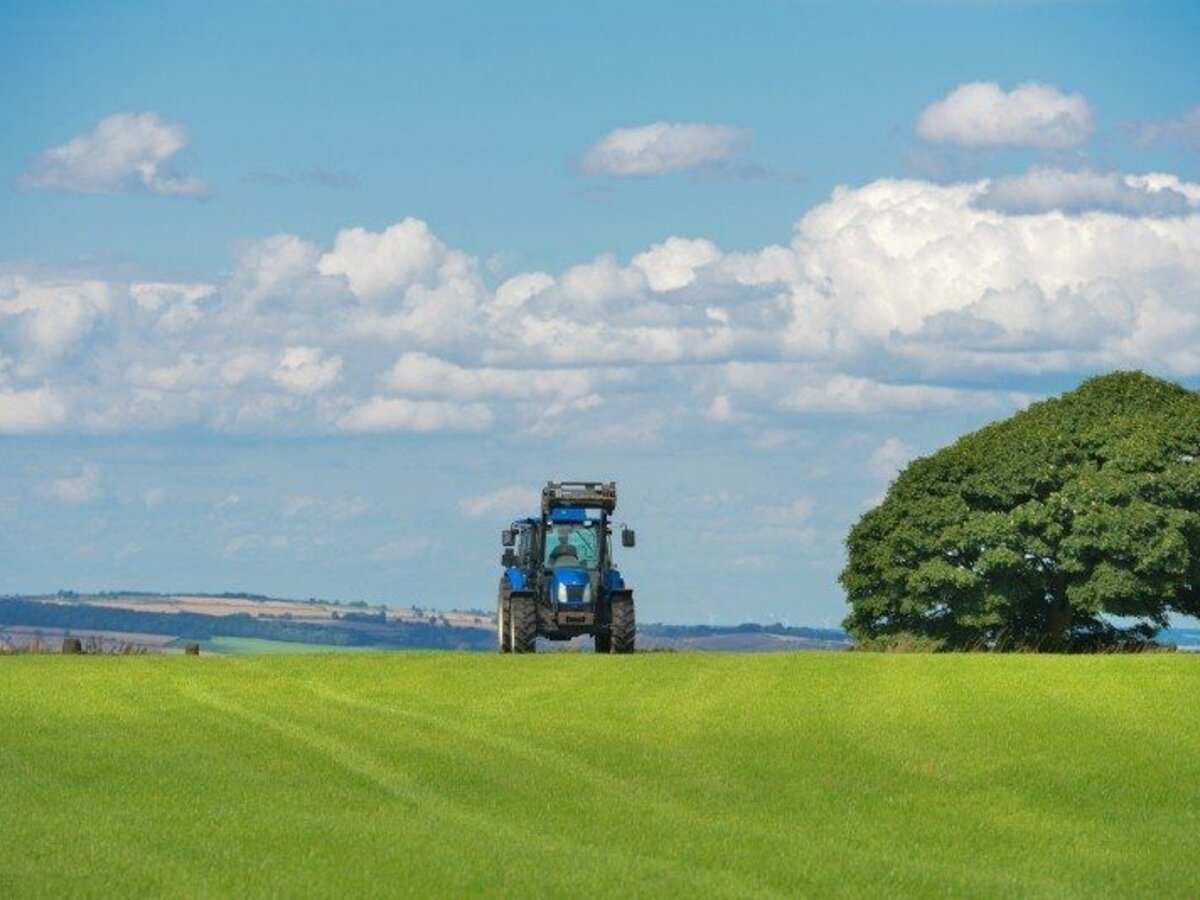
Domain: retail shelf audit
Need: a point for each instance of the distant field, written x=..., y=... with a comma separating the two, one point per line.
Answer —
x=662, y=774
x=154, y=620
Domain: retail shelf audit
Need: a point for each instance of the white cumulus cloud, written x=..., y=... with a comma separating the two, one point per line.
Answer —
x=884, y=260
x=888, y=299
x=177, y=305
x=386, y=414
x=856, y=395
x=306, y=370
x=982, y=114
x=423, y=375
x=376, y=262
x=124, y=153
x=889, y=458
x=720, y=409
x=662, y=148
x=76, y=490
x=514, y=500
x=1185, y=130
x=673, y=263
x=407, y=284
x=276, y=264
x=31, y=411
x=52, y=316
x=516, y=291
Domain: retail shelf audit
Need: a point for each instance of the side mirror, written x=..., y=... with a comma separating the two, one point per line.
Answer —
x=509, y=558
x=628, y=538
x=508, y=537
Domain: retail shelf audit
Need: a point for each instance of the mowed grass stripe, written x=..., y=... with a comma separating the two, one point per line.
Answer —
x=657, y=774
x=473, y=821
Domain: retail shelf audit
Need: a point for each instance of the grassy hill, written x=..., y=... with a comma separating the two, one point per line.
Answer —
x=569, y=774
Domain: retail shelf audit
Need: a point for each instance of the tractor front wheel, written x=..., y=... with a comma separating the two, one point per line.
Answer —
x=503, y=638
x=522, y=618
x=603, y=641
x=624, y=628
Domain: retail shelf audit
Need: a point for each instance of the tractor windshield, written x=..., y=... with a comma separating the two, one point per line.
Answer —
x=573, y=545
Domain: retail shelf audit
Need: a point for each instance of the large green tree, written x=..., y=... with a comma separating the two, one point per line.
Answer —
x=1074, y=524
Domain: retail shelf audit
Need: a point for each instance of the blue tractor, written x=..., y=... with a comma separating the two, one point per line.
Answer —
x=560, y=580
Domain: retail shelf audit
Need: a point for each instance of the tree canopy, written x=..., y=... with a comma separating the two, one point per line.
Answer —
x=1074, y=524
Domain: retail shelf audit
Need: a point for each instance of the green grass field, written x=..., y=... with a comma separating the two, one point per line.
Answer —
x=683, y=775
x=244, y=646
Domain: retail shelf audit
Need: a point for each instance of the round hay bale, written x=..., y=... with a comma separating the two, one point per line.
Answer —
x=72, y=646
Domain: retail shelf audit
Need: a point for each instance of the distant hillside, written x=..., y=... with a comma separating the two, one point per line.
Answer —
x=240, y=622
x=159, y=621
x=133, y=617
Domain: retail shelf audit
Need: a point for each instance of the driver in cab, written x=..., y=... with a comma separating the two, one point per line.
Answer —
x=564, y=552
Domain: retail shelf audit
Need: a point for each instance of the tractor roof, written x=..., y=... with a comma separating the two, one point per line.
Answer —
x=579, y=495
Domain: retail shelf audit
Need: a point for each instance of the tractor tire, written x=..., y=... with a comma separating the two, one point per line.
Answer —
x=624, y=627
x=522, y=618
x=503, y=637
x=603, y=642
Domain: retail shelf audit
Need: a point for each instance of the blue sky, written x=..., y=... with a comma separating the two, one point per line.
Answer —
x=209, y=379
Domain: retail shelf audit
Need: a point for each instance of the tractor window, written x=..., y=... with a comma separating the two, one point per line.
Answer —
x=583, y=539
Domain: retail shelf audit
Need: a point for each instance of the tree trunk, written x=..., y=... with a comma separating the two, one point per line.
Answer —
x=1059, y=619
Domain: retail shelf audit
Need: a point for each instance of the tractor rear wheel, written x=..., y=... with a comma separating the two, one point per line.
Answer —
x=624, y=627
x=503, y=639
x=603, y=641
x=522, y=618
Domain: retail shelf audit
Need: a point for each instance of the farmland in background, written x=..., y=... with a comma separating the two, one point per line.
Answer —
x=223, y=623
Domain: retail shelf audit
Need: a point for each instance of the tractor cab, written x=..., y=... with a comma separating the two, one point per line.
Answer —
x=573, y=540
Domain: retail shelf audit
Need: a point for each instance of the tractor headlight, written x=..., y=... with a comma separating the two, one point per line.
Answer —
x=562, y=593
x=586, y=596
